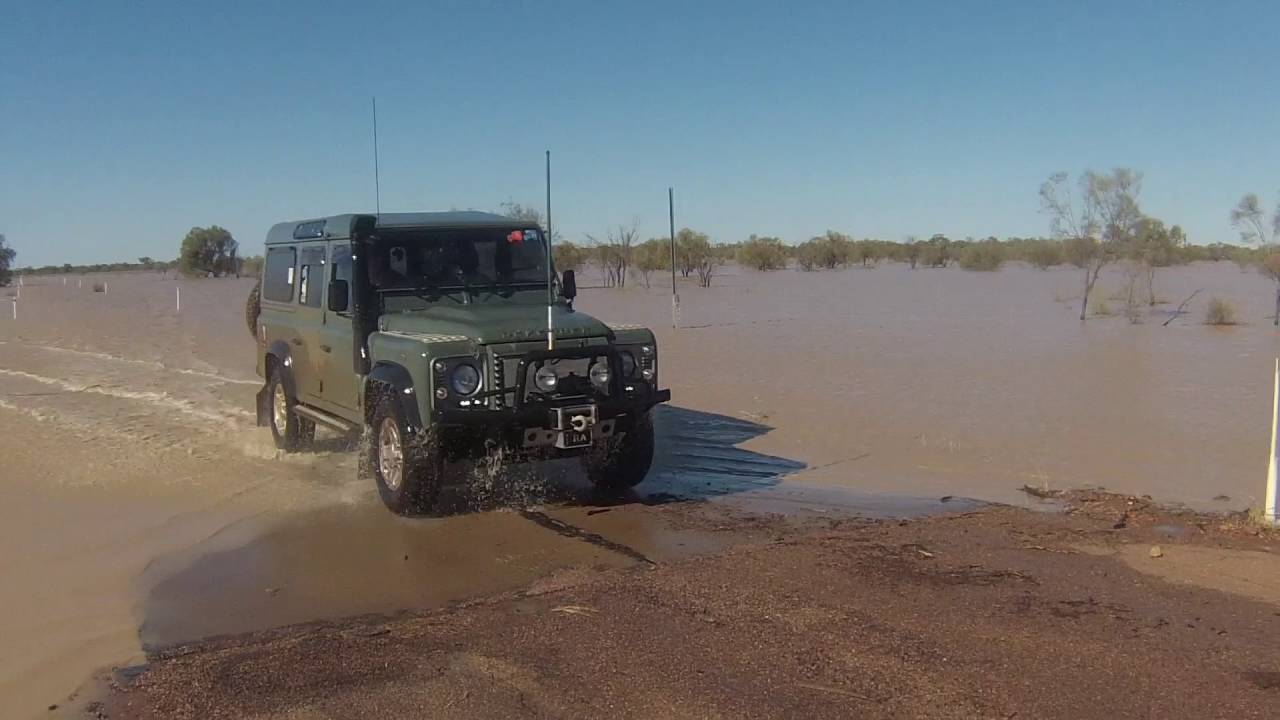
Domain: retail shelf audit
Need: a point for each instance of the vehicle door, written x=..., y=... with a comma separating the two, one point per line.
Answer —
x=338, y=377
x=309, y=319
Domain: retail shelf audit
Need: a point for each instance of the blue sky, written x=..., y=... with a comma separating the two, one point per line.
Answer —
x=124, y=124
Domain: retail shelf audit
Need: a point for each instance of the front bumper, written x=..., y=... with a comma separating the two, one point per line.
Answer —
x=541, y=416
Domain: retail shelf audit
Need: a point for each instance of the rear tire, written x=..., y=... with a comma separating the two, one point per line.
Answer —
x=622, y=461
x=253, y=308
x=406, y=467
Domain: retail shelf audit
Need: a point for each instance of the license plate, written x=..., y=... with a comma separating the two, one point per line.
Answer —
x=574, y=439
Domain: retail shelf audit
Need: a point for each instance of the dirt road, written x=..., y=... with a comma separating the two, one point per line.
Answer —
x=995, y=613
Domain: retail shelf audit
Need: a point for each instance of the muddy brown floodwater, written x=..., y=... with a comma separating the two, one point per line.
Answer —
x=143, y=508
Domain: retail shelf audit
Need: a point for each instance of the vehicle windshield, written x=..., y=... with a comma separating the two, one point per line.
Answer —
x=458, y=258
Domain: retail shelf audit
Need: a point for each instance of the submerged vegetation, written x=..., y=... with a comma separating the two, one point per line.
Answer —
x=1219, y=312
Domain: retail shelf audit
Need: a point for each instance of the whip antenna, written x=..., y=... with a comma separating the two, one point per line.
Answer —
x=551, y=293
x=377, y=185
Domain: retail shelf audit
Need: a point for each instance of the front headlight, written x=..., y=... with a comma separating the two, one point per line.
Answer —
x=546, y=378
x=465, y=379
x=600, y=375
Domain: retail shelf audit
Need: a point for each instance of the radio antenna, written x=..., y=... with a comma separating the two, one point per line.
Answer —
x=377, y=185
x=551, y=293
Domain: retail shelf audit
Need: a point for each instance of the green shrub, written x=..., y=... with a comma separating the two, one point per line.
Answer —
x=984, y=256
x=1219, y=312
x=1044, y=254
x=762, y=253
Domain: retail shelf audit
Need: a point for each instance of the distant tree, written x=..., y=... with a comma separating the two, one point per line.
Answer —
x=1096, y=226
x=208, y=251
x=914, y=249
x=568, y=256
x=762, y=253
x=1044, y=254
x=527, y=213
x=251, y=265
x=652, y=254
x=1153, y=246
x=691, y=247
x=7, y=255
x=937, y=251
x=613, y=253
x=1249, y=217
x=987, y=255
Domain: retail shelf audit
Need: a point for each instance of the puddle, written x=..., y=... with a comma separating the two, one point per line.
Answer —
x=344, y=561
x=358, y=559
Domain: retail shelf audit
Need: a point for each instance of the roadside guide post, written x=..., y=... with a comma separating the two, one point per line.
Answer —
x=177, y=299
x=1269, y=502
x=675, y=297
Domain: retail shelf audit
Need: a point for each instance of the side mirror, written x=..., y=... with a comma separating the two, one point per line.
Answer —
x=339, y=295
x=568, y=285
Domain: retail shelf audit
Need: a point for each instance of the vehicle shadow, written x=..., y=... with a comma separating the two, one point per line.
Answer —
x=696, y=458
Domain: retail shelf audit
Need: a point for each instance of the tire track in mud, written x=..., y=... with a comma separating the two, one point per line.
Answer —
x=124, y=399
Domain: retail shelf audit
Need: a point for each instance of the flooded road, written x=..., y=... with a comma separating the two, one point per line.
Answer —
x=143, y=508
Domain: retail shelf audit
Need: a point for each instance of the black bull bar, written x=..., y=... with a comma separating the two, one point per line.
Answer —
x=617, y=403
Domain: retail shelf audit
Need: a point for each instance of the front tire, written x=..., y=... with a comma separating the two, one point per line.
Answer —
x=405, y=467
x=622, y=461
x=290, y=431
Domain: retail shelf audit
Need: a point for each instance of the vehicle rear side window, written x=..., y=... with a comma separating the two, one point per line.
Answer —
x=311, y=277
x=277, y=278
x=341, y=261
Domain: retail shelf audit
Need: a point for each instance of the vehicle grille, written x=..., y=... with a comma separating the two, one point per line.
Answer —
x=574, y=379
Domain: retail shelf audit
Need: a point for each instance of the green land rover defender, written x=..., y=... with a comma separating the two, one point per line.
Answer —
x=429, y=332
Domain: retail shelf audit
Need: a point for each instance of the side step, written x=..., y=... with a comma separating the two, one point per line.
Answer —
x=324, y=418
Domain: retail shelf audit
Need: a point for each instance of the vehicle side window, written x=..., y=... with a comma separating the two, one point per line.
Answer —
x=311, y=277
x=341, y=262
x=277, y=278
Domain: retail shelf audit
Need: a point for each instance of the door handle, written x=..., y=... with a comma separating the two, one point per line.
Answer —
x=296, y=341
x=326, y=348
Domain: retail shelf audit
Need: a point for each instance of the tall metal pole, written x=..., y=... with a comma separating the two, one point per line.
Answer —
x=377, y=184
x=551, y=295
x=675, y=298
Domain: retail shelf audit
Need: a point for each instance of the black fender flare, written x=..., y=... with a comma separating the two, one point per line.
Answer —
x=284, y=360
x=397, y=379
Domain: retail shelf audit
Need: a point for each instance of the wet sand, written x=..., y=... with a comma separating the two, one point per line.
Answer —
x=142, y=508
x=1001, y=612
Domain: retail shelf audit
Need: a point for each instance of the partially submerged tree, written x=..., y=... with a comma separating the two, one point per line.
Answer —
x=7, y=254
x=1153, y=246
x=208, y=251
x=613, y=254
x=762, y=253
x=529, y=214
x=568, y=256
x=1249, y=217
x=1096, y=226
x=650, y=255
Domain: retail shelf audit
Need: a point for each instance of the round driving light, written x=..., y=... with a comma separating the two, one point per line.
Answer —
x=647, y=373
x=600, y=375
x=545, y=378
x=465, y=379
x=442, y=392
x=440, y=366
x=646, y=350
x=628, y=363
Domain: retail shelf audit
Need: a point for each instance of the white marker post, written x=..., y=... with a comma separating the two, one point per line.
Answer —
x=177, y=302
x=15, y=309
x=1269, y=502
